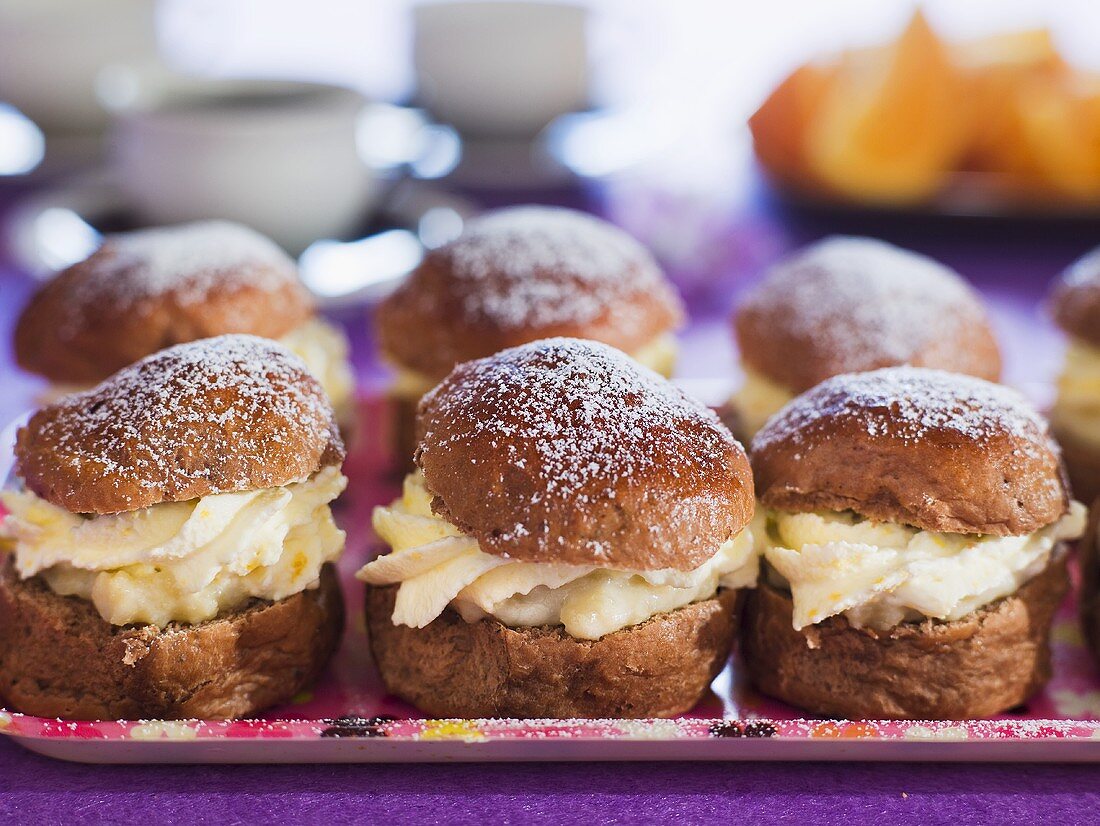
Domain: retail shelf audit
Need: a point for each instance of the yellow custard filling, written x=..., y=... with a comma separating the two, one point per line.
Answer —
x=757, y=400
x=879, y=574
x=438, y=566
x=324, y=349
x=1077, y=407
x=659, y=355
x=180, y=561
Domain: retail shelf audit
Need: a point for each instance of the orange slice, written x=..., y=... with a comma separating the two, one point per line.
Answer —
x=891, y=125
x=996, y=67
x=1027, y=49
x=780, y=125
x=1053, y=137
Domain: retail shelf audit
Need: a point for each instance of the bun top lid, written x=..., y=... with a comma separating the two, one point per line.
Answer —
x=151, y=288
x=232, y=413
x=1075, y=299
x=936, y=450
x=846, y=305
x=520, y=274
x=567, y=451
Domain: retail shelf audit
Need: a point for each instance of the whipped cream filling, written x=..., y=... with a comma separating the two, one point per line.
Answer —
x=1077, y=406
x=438, y=566
x=757, y=400
x=658, y=355
x=880, y=574
x=322, y=346
x=324, y=349
x=180, y=561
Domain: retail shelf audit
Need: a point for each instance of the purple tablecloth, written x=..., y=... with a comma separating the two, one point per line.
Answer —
x=38, y=790
x=1012, y=263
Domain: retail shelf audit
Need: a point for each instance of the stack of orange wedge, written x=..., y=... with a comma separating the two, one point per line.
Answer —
x=902, y=123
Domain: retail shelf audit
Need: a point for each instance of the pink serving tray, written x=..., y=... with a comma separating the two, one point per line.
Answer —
x=348, y=717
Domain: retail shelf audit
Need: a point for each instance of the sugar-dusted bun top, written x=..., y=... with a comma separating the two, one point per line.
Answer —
x=231, y=413
x=521, y=274
x=148, y=289
x=1075, y=299
x=845, y=305
x=936, y=450
x=568, y=451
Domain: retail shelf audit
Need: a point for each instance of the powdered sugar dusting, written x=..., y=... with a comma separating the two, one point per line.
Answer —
x=909, y=403
x=187, y=413
x=866, y=301
x=188, y=260
x=534, y=266
x=582, y=418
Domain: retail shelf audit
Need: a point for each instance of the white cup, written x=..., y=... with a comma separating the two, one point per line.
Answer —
x=500, y=69
x=51, y=52
x=278, y=156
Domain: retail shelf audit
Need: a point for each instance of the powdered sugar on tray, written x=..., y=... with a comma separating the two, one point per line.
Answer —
x=180, y=413
x=538, y=266
x=908, y=403
x=189, y=260
x=866, y=301
x=579, y=416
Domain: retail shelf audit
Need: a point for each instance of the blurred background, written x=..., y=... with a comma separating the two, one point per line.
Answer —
x=721, y=134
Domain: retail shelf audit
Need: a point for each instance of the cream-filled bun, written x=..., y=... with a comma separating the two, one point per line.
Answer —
x=912, y=524
x=847, y=305
x=517, y=275
x=1075, y=415
x=571, y=545
x=168, y=539
x=148, y=289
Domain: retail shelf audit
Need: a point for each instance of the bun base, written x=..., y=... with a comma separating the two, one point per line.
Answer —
x=978, y=666
x=452, y=668
x=60, y=658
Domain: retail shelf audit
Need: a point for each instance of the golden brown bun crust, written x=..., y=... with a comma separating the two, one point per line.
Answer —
x=1082, y=463
x=59, y=658
x=935, y=450
x=452, y=668
x=404, y=438
x=1075, y=299
x=1089, y=600
x=978, y=666
x=223, y=414
x=521, y=274
x=568, y=451
x=845, y=305
x=143, y=291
